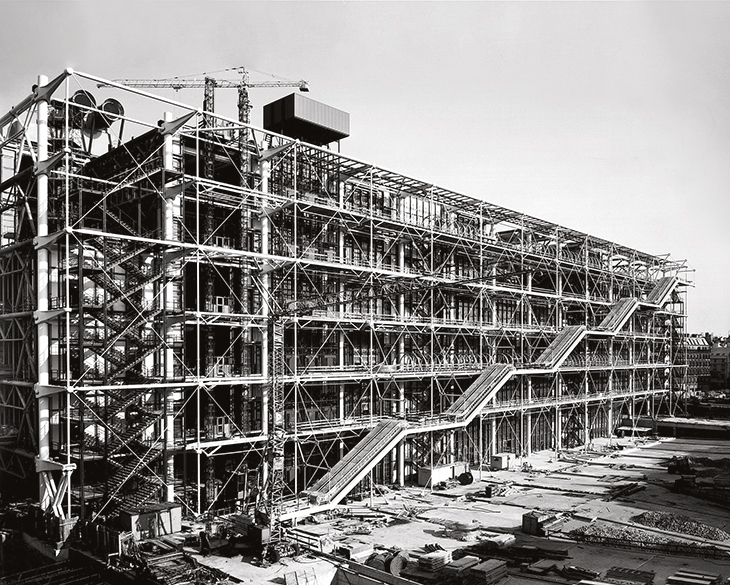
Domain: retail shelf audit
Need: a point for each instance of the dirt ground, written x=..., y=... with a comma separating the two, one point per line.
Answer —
x=576, y=486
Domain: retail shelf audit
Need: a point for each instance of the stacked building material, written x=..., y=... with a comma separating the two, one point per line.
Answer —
x=623, y=576
x=489, y=571
x=575, y=573
x=461, y=567
x=318, y=538
x=355, y=550
x=693, y=578
x=435, y=561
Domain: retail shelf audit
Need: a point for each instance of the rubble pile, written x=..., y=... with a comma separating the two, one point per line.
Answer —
x=722, y=463
x=680, y=524
x=620, y=533
x=461, y=535
x=462, y=531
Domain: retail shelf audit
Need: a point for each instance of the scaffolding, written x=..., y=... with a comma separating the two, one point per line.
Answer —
x=140, y=277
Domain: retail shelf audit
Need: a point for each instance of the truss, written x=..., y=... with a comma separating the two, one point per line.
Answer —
x=139, y=277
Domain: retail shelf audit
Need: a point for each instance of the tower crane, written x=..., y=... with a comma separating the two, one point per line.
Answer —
x=209, y=84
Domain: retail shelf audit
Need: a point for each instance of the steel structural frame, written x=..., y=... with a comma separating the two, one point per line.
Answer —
x=193, y=239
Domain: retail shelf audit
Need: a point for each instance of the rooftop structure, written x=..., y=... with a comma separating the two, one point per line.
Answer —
x=204, y=312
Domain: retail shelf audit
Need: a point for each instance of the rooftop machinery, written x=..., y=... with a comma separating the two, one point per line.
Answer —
x=140, y=277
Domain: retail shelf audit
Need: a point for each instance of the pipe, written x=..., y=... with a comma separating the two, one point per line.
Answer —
x=169, y=300
x=42, y=297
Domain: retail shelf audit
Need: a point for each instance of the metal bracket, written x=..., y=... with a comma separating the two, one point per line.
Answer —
x=268, y=211
x=267, y=154
x=271, y=266
x=43, y=166
x=45, y=241
x=42, y=390
x=45, y=92
x=49, y=465
x=174, y=125
x=175, y=190
x=176, y=254
x=44, y=316
x=174, y=319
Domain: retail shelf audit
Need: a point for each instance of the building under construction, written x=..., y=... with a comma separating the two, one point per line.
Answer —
x=199, y=311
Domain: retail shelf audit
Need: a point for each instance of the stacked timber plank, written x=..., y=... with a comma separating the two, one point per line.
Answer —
x=624, y=576
x=435, y=561
x=486, y=572
x=316, y=538
x=461, y=566
x=693, y=578
x=354, y=550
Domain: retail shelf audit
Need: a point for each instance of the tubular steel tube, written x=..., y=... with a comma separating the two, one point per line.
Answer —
x=42, y=297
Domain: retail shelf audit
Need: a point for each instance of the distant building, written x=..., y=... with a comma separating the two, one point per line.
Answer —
x=698, y=360
x=719, y=365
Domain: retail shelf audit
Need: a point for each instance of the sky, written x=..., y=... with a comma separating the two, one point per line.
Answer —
x=611, y=118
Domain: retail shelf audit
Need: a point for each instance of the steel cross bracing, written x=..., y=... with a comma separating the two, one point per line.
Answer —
x=274, y=483
x=172, y=254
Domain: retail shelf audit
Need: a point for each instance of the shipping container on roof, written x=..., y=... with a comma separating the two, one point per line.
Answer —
x=311, y=121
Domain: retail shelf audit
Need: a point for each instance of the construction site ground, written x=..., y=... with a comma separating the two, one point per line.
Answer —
x=578, y=485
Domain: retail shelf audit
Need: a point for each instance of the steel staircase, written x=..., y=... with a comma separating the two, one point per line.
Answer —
x=129, y=338
x=129, y=488
x=133, y=430
x=129, y=469
x=143, y=494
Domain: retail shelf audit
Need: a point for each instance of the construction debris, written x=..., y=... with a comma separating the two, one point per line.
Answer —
x=625, y=533
x=680, y=524
x=627, y=537
x=625, y=490
x=575, y=573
